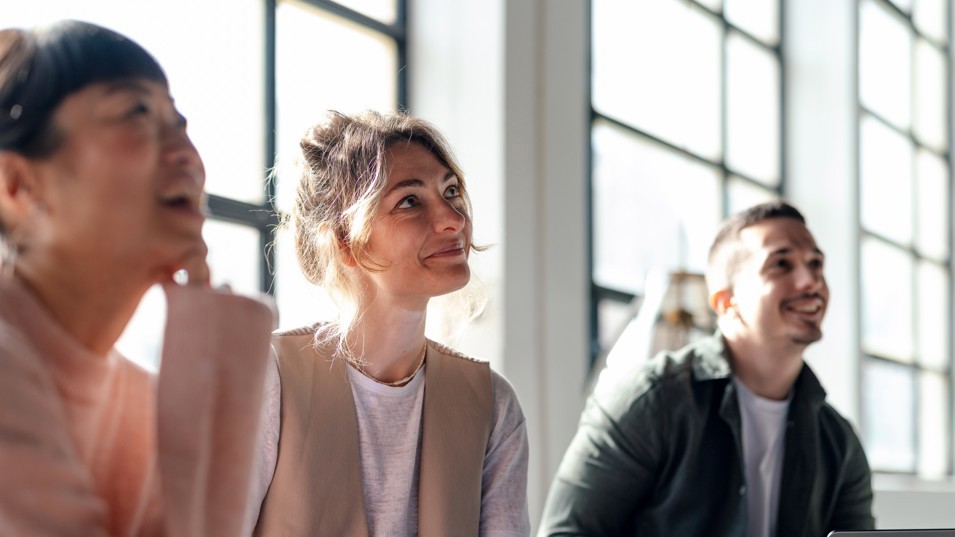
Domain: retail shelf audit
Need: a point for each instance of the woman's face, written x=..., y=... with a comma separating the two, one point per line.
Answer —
x=125, y=185
x=420, y=232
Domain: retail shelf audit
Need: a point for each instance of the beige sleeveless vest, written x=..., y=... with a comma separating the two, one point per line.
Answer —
x=317, y=490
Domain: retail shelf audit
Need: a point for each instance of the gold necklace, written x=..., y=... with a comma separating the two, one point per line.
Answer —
x=402, y=381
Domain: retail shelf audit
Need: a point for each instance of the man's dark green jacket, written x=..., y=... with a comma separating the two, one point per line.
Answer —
x=659, y=453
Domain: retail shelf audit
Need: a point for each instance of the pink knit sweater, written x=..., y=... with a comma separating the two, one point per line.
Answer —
x=96, y=446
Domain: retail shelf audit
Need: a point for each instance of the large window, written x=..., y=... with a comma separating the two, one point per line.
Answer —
x=905, y=253
x=687, y=114
x=251, y=75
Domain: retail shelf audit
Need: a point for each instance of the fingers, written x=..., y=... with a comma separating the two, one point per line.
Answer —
x=194, y=269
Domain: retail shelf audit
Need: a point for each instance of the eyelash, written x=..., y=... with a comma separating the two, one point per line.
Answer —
x=454, y=195
x=405, y=199
x=138, y=109
x=784, y=263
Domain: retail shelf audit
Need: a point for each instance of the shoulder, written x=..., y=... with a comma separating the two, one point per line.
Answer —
x=667, y=375
x=27, y=388
x=506, y=403
x=297, y=344
x=447, y=352
x=838, y=431
x=17, y=356
x=308, y=330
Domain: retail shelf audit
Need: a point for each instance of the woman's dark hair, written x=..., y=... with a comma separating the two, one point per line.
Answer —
x=41, y=67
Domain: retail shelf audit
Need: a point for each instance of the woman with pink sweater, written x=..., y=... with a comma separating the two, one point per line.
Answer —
x=101, y=197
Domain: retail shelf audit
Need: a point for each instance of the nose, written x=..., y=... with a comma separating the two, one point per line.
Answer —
x=450, y=216
x=809, y=278
x=178, y=151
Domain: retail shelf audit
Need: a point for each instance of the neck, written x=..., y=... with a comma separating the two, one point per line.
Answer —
x=769, y=373
x=388, y=342
x=93, y=306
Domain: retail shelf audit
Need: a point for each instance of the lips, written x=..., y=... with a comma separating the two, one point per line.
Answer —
x=185, y=201
x=184, y=194
x=811, y=306
x=449, y=250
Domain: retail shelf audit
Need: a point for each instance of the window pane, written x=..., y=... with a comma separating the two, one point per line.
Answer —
x=235, y=256
x=715, y=5
x=933, y=322
x=225, y=117
x=673, y=44
x=930, y=16
x=930, y=117
x=904, y=5
x=613, y=318
x=758, y=17
x=743, y=194
x=385, y=11
x=886, y=189
x=887, y=411
x=752, y=110
x=299, y=302
x=886, y=300
x=933, y=425
x=643, y=217
x=933, y=221
x=885, y=51
x=305, y=91
x=141, y=341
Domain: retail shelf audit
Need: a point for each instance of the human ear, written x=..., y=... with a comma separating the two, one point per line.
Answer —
x=345, y=254
x=722, y=301
x=19, y=189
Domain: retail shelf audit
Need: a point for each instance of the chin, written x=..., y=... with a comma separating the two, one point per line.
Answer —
x=454, y=285
x=807, y=338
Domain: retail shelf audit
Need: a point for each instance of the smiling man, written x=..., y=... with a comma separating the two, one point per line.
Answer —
x=731, y=435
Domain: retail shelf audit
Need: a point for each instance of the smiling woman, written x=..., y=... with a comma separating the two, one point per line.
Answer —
x=101, y=197
x=370, y=427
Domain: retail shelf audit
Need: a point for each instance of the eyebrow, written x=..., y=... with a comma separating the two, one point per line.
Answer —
x=414, y=182
x=787, y=250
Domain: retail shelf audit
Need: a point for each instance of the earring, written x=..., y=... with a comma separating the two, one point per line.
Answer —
x=8, y=257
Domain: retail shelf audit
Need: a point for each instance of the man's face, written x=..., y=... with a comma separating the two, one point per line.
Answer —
x=779, y=291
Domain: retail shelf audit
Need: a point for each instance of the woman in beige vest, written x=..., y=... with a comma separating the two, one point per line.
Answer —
x=101, y=197
x=369, y=427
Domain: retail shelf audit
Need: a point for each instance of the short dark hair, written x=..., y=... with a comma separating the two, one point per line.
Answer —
x=725, y=255
x=41, y=67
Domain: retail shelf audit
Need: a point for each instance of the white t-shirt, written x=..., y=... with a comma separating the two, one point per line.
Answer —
x=764, y=442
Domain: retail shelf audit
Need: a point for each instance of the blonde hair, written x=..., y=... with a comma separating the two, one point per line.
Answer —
x=342, y=174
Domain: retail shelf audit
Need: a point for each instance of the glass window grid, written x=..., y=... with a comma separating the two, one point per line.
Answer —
x=600, y=295
x=871, y=356
x=264, y=217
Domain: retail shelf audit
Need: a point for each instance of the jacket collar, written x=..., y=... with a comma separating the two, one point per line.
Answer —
x=712, y=358
x=712, y=362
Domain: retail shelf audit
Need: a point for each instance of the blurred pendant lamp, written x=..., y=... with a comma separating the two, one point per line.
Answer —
x=673, y=312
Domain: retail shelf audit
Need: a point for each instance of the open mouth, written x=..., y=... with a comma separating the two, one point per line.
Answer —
x=806, y=307
x=190, y=202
